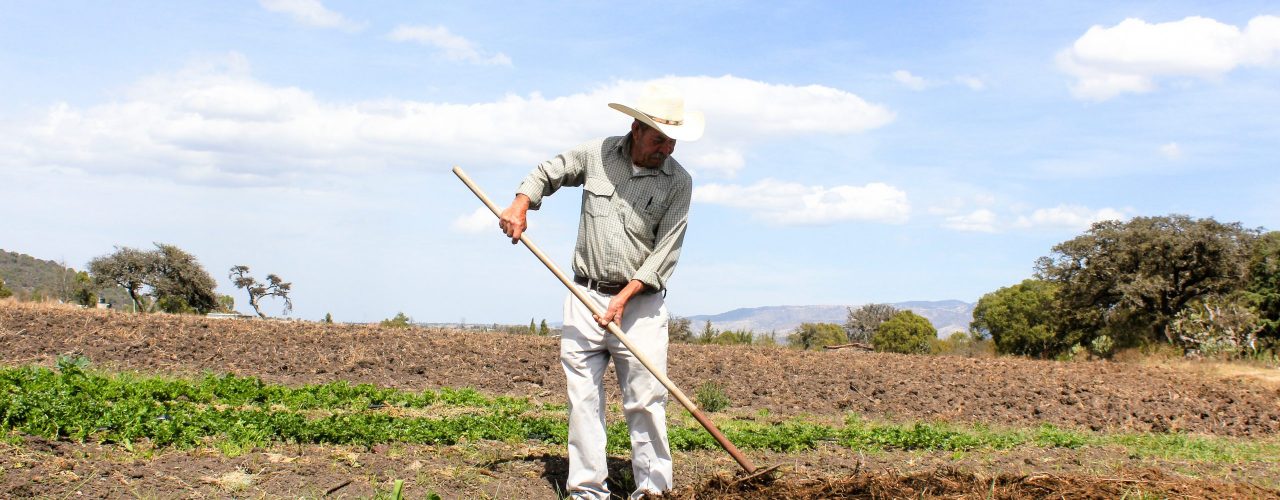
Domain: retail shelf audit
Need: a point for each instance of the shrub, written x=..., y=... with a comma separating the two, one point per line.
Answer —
x=399, y=321
x=174, y=304
x=816, y=335
x=1102, y=346
x=735, y=337
x=906, y=332
x=711, y=397
x=1217, y=327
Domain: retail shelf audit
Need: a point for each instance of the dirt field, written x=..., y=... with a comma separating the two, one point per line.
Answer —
x=1096, y=396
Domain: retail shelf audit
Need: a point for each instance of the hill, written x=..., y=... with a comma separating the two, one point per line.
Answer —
x=30, y=277
x=947, y=316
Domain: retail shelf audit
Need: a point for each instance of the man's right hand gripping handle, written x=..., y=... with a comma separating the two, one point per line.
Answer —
x=513, y=221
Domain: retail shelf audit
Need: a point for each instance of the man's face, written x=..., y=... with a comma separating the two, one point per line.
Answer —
x=649, y=147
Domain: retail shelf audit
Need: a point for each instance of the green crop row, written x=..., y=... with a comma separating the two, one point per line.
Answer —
x=73, y=403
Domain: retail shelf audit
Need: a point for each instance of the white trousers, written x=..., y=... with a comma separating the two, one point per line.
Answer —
x=585, y=350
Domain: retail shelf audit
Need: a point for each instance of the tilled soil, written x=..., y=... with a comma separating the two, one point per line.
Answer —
x=1099, y=396
x=54, y=469
x=1104, y=396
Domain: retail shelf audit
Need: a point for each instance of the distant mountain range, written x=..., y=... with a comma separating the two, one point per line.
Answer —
x=948, y=316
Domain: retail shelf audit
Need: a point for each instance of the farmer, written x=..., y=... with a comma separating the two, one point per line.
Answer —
x=635, y=206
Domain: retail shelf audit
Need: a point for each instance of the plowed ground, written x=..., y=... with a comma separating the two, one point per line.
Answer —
x=1098, y=396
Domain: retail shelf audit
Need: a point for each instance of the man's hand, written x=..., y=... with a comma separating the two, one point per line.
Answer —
x=619, y=304
x=513, y=221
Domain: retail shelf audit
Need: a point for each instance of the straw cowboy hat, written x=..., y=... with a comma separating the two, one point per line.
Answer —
x=662, y=107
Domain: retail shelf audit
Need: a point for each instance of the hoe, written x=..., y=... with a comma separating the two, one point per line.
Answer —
x=751, y=472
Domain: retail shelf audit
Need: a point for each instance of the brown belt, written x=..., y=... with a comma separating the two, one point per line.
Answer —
x=606, y=287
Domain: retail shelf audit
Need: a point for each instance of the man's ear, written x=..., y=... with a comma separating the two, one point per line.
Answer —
x=635, y=127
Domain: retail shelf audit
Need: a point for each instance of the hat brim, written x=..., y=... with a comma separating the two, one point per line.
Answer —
x=689, y=130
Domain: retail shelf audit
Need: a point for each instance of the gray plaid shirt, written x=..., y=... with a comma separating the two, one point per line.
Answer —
x=632, y=224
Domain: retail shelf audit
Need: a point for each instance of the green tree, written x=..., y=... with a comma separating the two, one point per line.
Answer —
x=679, y=329
x=128, y=268
x=274, y=287
x=398, y=321
x=816, y=335
x=533, y=327
x=543, y=329
x=4, y=292
x=1129, y=279
x=1020, y=319
x=328, y=318
x=226, y=304
x=83, y=293
x=906, y=332
x=180, y=284
x=1263, y=289
x=861, y=323
x=708, y=334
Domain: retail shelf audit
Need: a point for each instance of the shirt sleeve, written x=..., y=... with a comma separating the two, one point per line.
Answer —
x=657, y=268
x=566, y=169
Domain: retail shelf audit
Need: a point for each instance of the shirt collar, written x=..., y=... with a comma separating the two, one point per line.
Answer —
x=624, y=149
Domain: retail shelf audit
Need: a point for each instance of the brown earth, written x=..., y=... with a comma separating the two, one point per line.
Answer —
x=1099, y=396
x=55, y=469
x=1001, y=391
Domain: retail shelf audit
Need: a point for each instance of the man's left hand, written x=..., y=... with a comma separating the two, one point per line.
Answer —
x=619, y=304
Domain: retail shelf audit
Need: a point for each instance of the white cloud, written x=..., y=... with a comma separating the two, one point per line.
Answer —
x=722, y=162
x=213, y=123
x=911, y=81
x=972, y=82
x=980, y=220
x=786, y=203
x=479, y=221
x=451, y=46
x=1171, y=151
x=1129, y=56
x=1074, y=217
x=311, y=13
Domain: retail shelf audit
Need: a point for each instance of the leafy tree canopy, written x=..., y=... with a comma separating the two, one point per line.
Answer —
x=179, y=279
x=1263, y=289
x=1129, y=279
x=906, y=332
x=1019, y=318
x=175, y=279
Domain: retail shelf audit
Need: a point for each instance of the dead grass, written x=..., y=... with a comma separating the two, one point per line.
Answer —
x=1264, y=374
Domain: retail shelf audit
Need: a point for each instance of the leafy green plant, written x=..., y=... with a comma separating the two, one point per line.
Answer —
x=235, y=414
x=711, y=397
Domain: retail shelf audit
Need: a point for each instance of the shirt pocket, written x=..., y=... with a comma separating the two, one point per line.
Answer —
x=597, y=197
x=645, y=214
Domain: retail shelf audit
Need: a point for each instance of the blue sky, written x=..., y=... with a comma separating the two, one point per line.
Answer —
x=855, y=152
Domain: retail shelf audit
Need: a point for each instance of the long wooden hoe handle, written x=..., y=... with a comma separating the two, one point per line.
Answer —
x=617, y=332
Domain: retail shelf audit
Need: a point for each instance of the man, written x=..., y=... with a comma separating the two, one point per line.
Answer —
x=635, y=206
